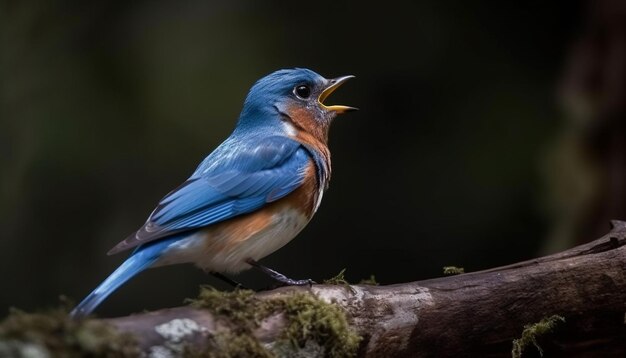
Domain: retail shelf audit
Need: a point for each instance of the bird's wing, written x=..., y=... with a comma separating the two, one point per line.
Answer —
x=230, y=183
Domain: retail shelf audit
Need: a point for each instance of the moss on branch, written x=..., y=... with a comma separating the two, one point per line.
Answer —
x=311, y=324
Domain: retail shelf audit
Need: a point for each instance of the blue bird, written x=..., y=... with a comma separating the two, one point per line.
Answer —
x=253, y=194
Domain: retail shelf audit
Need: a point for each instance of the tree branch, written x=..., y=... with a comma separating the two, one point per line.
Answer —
x=473, y=314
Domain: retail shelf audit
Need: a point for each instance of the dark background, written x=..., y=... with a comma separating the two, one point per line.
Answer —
x=106, y=107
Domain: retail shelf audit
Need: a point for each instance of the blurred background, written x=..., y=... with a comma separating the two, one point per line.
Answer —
x=489, y=133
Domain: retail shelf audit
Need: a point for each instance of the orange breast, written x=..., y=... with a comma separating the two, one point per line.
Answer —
x=241, y=228
x=314, y=135
x=306, y=122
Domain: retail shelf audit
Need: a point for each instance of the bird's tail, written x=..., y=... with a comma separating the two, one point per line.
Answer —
x=141, y=259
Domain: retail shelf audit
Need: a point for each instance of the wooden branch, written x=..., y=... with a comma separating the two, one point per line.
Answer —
x=475, y=314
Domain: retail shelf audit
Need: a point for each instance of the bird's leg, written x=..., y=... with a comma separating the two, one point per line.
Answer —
x=278, y=276
x=228, y=280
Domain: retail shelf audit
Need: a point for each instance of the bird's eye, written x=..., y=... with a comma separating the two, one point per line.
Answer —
x=302, y=91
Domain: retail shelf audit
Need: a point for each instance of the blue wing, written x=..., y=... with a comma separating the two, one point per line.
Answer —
x=236, y=179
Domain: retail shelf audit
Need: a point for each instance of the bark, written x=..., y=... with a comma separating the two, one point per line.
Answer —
x=474, y=314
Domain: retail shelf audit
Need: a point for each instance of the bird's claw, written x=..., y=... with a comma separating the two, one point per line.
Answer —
x=305, y=282
x=279, y=277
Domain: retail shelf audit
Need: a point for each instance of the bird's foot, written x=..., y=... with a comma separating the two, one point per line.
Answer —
x=279, y=277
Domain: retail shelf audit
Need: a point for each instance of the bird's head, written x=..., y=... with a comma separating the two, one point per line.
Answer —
x=293, y=99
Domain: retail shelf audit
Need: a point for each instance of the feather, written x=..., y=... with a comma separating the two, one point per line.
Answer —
x=237, y=181
x=141, y=259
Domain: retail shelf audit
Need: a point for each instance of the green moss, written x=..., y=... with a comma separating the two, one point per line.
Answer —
x=531, y=332
x=244, y=312
x=338, y=279
x=312, y=319
x=241, y=307
x=311, y=323
x=453, y=270
x=55, y=334
x=230, y=344
x=369, y=281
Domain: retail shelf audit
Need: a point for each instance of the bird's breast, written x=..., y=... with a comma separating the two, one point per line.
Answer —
x=224, y=247
x=305, y=121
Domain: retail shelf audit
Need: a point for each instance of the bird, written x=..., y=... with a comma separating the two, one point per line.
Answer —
x=249, y=197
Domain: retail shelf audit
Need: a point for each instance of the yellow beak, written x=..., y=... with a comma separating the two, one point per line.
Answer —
x=332, y=86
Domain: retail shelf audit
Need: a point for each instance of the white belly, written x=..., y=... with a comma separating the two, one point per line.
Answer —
x=214, y=250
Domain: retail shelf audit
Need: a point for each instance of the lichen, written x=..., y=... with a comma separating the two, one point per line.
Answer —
x=531, y=332
x=453, y=270
x=310, y=324
x=54, y=334
x=175, y=334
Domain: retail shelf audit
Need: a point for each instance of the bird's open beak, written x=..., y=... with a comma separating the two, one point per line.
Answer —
x=332, y=86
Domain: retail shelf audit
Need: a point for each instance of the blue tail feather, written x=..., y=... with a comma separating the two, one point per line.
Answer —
x=142, y=258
